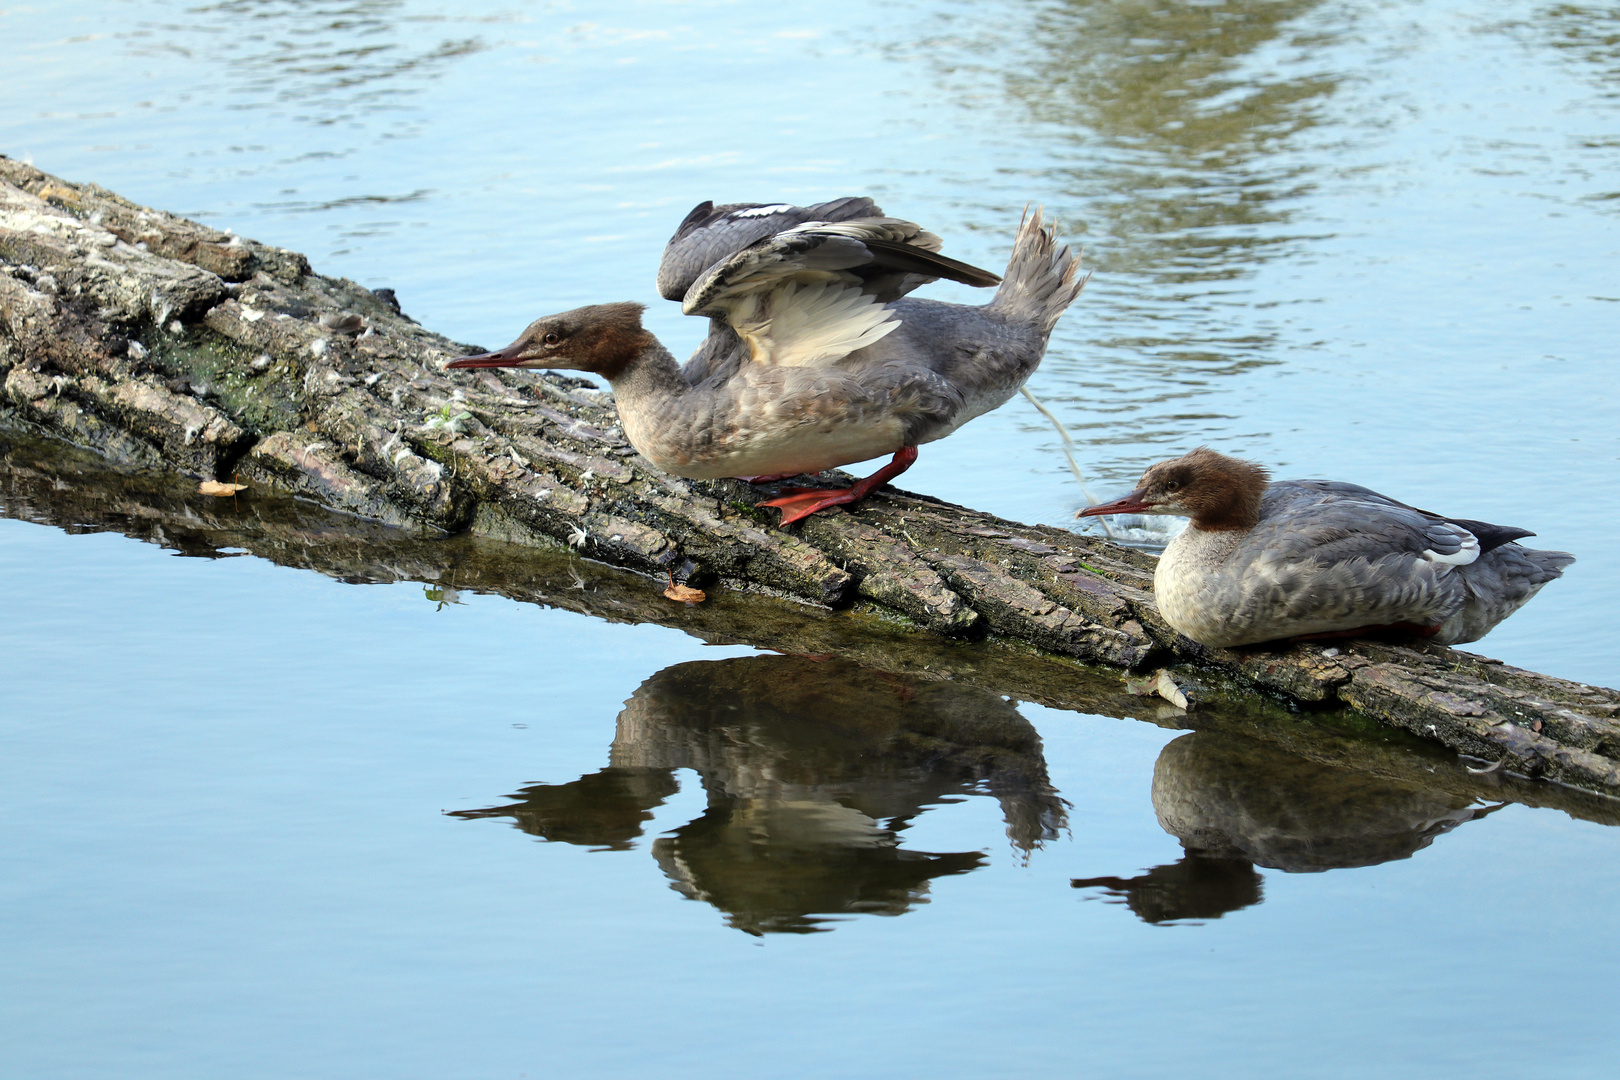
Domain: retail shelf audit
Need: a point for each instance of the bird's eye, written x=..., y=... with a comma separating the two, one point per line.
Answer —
x=552, y=337
x=1172, y=485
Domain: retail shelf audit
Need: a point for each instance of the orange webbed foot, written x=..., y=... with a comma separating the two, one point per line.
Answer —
x=797, y=503
x=802, y=502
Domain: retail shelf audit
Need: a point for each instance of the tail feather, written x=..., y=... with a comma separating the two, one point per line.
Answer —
x=1496, y=585
x=1042, y=279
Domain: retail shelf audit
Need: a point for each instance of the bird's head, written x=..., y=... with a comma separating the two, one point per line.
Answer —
x=600, y=338
x=1216, y=491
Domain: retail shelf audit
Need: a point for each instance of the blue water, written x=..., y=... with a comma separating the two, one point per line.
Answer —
x=1375, y=243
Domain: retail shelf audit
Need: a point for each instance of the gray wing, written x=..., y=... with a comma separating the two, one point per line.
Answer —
x=810, y=295
x=1328, y=522
x=860, y=252
x=711, y=233
x=1334, y=556
x=1331, y=556
x=718, y=358
x=1489, y=536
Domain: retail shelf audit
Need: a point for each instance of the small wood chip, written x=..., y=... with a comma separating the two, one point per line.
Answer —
x=214, y=487
x=1158, y=684
x=683, y=593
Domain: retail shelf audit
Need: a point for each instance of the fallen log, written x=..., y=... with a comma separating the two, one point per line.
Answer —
x=45, y=481
x=159, y=342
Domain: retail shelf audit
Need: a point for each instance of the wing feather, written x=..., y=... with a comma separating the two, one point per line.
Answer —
x=807, y=324
x=811, y=294
x=712, y=233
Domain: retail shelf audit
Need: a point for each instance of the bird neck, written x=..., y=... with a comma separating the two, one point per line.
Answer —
x=1230, y=501
x=648, y=374
x=1234, y=517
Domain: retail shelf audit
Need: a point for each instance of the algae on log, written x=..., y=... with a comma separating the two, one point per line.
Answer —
x=157, y=341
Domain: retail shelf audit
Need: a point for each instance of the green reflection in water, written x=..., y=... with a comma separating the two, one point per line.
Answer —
x=1185, y=167
x=1588, y=38
x=1184, y=135
x=1588, y=35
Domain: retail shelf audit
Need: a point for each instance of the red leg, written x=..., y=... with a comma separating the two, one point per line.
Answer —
x=802, y=502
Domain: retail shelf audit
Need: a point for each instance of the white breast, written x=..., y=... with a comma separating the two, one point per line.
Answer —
x=1194, y=588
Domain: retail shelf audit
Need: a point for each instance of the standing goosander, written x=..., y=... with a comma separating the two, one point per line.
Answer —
x=815, y=358
x=1319, y=558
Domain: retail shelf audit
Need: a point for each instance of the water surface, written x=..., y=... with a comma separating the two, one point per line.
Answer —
x=263, y=822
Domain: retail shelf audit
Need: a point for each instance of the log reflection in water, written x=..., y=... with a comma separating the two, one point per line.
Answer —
x=1235, y=803
x=47, y=483
x=813, y=768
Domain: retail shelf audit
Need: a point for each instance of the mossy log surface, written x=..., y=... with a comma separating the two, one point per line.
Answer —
x=158, y=342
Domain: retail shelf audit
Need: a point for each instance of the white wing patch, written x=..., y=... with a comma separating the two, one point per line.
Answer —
x=762, y=211
x=860, y=230
x=803, y=324
x=1462, y=557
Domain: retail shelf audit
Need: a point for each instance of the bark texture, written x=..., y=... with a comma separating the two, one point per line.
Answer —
x=159, y=342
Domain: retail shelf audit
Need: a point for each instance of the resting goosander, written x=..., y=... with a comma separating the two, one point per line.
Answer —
x=815, y=358
x=1319, y=558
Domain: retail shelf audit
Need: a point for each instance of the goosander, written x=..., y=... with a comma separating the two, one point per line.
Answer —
x=1319, y=558
x=815, y=357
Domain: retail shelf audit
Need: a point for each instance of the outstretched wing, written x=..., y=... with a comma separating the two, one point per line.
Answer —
x=711, y=233
x=814, y=293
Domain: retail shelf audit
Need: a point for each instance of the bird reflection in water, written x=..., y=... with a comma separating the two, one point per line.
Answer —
x=813, y=769
x=1235, y=803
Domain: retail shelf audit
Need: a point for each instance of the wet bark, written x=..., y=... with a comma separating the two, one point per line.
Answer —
x=159, y=342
